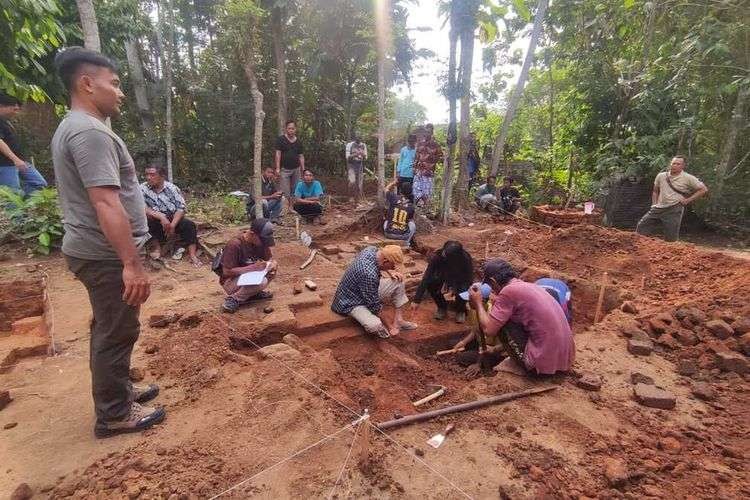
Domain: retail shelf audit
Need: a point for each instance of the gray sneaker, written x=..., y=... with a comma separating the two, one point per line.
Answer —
x=144, y=393
x=138, y=419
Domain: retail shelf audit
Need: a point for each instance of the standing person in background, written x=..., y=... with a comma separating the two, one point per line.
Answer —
x=289, y=159
x=15, y=172
x=673, y=191
x=356, y=154
x=307, y=198
x=429, y=154
x=472, y=158
x=105, y=232
x=405, y=165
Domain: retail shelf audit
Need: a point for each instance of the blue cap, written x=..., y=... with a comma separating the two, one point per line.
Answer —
x=483, y=287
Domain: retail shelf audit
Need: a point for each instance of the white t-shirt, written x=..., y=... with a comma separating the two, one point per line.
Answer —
x=683, y=181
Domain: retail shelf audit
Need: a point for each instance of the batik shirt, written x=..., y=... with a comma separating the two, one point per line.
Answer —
x=359, y=285
x=167, y=201
x=429, y=154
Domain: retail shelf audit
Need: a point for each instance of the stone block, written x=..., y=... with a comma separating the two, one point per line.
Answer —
x=720, y=328
x=685, y=337
x=279, y=351
x=629, y=307
x=136, y=374
x=741, y=326
x=280, y=320
x=5, y=399
x=633, y=332
x=616, y=473
x=347, y=248
x=692, y=314
x=589, y=381
x=13, y=348
x=162, y=320
x=744, y=344
x=330, y=249
x=732, y=362
x=640, y=347
x=304, y=300
x=653, y=397
x=703, y=391
x=641, y=378
x=657, y=326
x=687, y=367
x=34, y=325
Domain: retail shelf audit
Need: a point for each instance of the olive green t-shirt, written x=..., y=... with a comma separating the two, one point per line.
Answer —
x=85, y=154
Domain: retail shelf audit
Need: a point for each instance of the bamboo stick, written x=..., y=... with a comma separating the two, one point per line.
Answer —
x=600, y=302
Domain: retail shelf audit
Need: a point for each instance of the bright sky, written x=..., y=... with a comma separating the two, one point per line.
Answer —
x=424, y=13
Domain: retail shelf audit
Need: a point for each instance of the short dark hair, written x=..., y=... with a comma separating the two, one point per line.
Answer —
x=412, y=139
x=286, y=123
x=70, y=61
x=308, y=170
x=681, y=157
x=160, y=169
x=491, y=177
x=8, y=100
x=499, y=270
x=508, y=178
x=406, y=189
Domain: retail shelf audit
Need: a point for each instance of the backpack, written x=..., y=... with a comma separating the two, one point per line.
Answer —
x=216, y=264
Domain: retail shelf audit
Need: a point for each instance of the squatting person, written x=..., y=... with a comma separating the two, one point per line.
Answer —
x=399, y=219
x=308, y=197
x=105, y=231
x=449, y=270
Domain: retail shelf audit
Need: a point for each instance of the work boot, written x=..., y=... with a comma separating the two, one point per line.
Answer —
x=231, y=305
x=144, y=393
x=440, y=314
x=138, y=419
x=461, y=317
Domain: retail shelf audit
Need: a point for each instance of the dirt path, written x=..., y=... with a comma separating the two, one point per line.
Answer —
x=233, y=413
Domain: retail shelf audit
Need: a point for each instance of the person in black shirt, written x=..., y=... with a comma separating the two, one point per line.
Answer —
x=290, y=159
x=270, y=195
x=15, y=172
x=450, y=269
x=510, y=198
x=399, y=221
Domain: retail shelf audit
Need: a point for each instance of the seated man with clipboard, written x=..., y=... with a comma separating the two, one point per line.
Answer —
x=245, y=266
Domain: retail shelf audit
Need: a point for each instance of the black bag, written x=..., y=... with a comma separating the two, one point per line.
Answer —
x=216, y=264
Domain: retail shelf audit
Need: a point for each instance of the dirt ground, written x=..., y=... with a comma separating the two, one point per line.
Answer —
x=242, y=423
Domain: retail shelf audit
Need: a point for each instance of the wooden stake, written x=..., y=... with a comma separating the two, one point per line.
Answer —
x=600, y=302
x=296, y=226
x=643, y=282
x=486, y=250
x=364, y=446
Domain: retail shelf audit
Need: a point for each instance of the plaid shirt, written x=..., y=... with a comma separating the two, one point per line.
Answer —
x=359, y=285
x=167, y=201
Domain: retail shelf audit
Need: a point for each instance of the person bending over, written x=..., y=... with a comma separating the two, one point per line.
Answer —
x=399, y=220
x=450, y=270
x=485, y=194
x=530, y=323
x=270, y=196
x=308, y=196
x=250, y=251
x=165, y=212
x=370, y=280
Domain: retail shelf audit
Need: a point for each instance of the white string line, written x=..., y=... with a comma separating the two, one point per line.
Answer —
x=346, y=460
x=293, y=372
x=326, y=438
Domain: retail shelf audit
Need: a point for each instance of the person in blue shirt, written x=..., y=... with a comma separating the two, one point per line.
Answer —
x=307, y=198
x=405, y=166
x=561, y=293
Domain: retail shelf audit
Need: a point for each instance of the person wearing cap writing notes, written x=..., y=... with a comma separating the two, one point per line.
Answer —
x=250, y=251
x=374, y=277
x=528, y=321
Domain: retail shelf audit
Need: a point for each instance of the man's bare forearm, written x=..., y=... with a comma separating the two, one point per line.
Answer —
x=178, y=215
x=654, y=196
x=5, y=149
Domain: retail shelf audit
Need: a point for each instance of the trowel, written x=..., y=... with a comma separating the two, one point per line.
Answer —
x=436, y=440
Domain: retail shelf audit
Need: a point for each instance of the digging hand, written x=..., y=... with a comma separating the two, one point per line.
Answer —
x=137, y=286
x=473, y=370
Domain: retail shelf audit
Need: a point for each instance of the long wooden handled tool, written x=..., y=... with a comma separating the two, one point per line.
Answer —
x=421, y=417
x=450, y=351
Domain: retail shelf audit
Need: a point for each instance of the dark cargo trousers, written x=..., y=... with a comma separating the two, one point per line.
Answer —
x=114, y=330
x=669, y=218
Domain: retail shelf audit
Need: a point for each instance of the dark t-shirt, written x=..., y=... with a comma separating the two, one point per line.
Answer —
x=238, y=253
x=509, y=192
x=290, y=152
x=400, y=212
x=8, y=135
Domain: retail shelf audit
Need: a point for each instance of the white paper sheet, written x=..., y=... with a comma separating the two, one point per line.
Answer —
x=252, y=278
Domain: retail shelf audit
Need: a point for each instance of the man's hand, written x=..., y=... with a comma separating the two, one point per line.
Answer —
x=475, y=297
x=473, y=370
x=685, y=202
x=277, y=194
x=165, y=224
x=21, y=165
x=137, y=286
x=415, y=306
x=395, y=276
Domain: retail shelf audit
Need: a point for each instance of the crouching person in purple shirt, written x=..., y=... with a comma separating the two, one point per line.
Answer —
x=530, y=323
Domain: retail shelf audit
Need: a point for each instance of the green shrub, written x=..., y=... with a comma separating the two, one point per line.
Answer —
x=35, y=220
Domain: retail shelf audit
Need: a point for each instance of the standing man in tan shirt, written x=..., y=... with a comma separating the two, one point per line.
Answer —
x=673, y=191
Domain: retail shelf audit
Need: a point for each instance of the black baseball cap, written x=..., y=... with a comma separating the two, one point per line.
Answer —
x=264, y=229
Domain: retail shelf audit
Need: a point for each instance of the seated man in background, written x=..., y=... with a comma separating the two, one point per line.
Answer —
x=250, y=251
x=399, y=220
x=362, y=291
x=510, y=198
x=308, y=195
x=485, y=194
x=529, y=322
x=165, y=212
x=270, y=195
x=561, y=293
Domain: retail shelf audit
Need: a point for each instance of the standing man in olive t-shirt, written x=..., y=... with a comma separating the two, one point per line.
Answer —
x=105, y=230
x=290, y=159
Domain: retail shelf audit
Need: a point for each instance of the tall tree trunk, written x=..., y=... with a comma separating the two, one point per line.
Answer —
x=166, y=52
x=187, y=10
x=467, y=59
x=736, y=124
x=139, y=85
x=249, y=67
x=451, y=136
x=277, y=37
x=89, y=25
x=497, y=152
x=383, y=24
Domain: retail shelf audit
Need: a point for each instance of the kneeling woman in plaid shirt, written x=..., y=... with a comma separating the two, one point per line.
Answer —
x=363, y=290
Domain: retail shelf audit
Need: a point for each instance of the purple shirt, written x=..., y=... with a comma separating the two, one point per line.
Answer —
x=550, y=347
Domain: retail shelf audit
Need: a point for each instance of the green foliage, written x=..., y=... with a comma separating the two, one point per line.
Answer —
x=35, y=220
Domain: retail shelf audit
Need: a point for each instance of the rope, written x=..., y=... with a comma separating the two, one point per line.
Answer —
x=346, y=460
